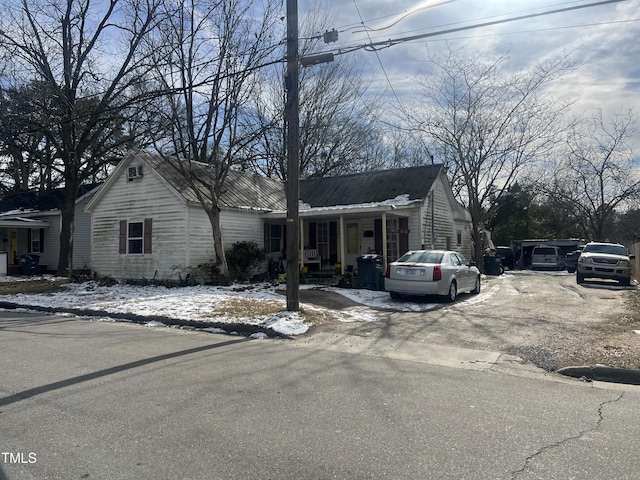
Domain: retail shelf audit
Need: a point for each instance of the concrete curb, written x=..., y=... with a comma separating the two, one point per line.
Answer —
x=603, y=373
x=239, y=328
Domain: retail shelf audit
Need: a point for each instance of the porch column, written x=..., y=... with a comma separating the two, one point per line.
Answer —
x=384, y=240
x=343, y=256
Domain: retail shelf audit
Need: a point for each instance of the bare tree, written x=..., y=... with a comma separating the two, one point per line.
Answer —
x=599, y=176
x=86, y=55
x=23, y=145
x=338, y=130
x=486, y=126
x=207, y=59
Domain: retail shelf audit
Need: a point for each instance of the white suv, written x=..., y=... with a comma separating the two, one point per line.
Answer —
x=604, y=260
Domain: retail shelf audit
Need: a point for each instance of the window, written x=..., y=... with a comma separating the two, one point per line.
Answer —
x=323, y=239
x=392, y=239
x=135, y=237
x=35, y=240
x=276, y=239
x=459, y=237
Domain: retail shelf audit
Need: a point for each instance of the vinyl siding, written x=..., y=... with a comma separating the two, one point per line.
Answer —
x=182, y=236
x=51, y=244
x=82, y=236
x=241, y=226
x=445, y=226
x=146, y=197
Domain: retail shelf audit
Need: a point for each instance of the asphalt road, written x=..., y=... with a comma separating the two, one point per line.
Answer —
x=84, y=399
x=543, y=317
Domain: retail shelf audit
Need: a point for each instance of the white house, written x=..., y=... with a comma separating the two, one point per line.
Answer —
x=147, y=223
x=30, y=225
x=384, y=212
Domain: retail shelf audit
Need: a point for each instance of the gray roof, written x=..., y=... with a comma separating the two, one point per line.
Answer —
x=40, y=201
x=369, y=187
x=241, y=189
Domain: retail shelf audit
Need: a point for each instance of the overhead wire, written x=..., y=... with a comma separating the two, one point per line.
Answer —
x=405, y=15
x=380, y=63
x=373, y=46
x=384, y=71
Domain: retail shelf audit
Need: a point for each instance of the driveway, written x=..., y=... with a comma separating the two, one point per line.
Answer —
x=543, y=317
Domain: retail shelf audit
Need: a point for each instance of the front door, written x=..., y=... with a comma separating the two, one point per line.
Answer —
x=324, y=237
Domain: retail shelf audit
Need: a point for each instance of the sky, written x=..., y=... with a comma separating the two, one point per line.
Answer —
x=601, y=40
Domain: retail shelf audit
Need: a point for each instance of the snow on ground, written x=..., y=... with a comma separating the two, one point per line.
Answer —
x=207, y=303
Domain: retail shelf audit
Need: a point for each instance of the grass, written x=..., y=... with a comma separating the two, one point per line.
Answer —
x=243, y=307
x=32, y=286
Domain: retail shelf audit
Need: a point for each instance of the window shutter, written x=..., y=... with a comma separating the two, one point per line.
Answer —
x=403, y=237
x=333, y=242
x=147, y=235
x=266, y=237
x=123, y=237
x=41, y=240
x=28, y=240
x=313, y=235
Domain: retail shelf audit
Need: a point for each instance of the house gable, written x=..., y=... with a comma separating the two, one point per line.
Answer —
x=148, y=222
x=241, y=190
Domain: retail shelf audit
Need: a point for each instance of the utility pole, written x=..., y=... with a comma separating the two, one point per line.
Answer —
x=291, y=116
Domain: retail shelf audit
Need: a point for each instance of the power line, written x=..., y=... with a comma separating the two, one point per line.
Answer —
x=384, y=71
x=380, y=62
x=548, y=29
x=407, y=14
x=373, y=46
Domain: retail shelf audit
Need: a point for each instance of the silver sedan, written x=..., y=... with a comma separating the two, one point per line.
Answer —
x=432, y=272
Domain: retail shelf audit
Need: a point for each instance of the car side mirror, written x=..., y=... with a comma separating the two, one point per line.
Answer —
x=472, y=264
x=632, y=257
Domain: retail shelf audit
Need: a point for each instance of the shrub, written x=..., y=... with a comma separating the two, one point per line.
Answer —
x=243, y=258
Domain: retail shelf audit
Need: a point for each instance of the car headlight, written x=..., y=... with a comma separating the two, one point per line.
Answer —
x=623, y=263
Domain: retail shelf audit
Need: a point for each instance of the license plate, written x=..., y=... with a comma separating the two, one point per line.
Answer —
x=410, y=271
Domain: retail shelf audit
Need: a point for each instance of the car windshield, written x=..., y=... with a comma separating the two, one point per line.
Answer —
x=422, y=257
x=609, y=249
x=544, y=251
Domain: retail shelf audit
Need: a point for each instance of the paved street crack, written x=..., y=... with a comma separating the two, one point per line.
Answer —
x=515, y=474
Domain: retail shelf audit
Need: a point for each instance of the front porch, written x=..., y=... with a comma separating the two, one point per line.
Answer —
x=335, y=239
x=22, y=245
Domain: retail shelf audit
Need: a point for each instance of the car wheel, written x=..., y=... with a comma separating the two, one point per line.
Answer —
x=571, y=270
x=453, y=292
x=476, y=290
x=579, y=278
x=395, y=295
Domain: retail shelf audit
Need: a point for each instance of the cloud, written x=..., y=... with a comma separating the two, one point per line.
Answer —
x=602, y=40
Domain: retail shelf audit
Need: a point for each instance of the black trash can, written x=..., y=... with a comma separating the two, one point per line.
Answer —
x=492, y=265
x=29, y=264
x=370, y=272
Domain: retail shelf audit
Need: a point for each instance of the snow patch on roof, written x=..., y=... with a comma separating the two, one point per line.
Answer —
x=399, y=200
